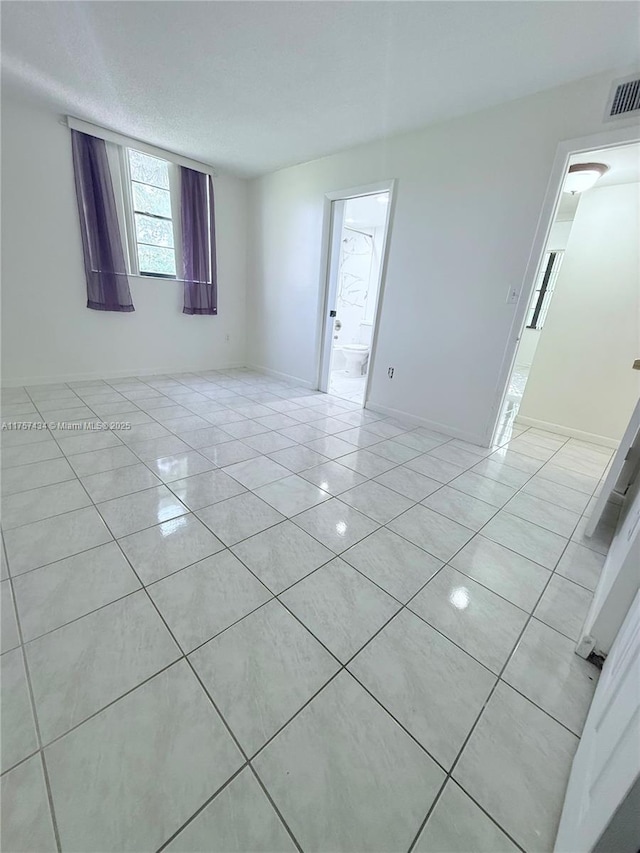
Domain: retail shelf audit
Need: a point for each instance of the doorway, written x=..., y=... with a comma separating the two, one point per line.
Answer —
x=572, y=372
x=355, y=271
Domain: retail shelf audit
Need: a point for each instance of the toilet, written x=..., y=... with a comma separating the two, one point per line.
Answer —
x=356, y=358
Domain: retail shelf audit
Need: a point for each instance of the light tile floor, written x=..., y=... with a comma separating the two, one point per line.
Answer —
x=347, y=387
x=263, y=619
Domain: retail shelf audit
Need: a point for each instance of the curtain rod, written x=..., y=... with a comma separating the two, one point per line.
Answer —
x=130, y=142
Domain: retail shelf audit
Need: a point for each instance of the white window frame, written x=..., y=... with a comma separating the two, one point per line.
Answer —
x=127, y=213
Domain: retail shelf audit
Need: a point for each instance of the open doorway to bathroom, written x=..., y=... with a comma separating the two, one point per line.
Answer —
x=359, y=228
x=573, y=371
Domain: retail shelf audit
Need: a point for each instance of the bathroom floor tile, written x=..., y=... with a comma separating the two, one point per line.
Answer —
x=165, y=548
x=516, y=766
x=437, y=534
x=370, y=783
x=25, y=817
x=143, y=509
x=17, y=723
x=376, y=501
x=292, y=495
x=599, y=541
x=335, y=524
x=197, y=757
x=524, y=537
x=204, y=599
x=83, y=666
x=396, y=565
x=56, y=594
x=261, y=671
x=238, y=518
x=476, y=619
x=564, y=606
x=429, y=685
x=239, y=819
x=53, y=539
x=282, y=555
x=340, y=607
x=546, y=669
x=457, y=824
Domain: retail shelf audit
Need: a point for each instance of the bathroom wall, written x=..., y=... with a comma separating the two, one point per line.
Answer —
x=361, y=248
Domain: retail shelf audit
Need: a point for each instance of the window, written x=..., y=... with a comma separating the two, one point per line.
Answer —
x=544, y=290
x=152, y=220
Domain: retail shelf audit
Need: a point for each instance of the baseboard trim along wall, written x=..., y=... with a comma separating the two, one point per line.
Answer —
x=285, y=377
x=471, y=437
x=122, y=374
x=591, y=437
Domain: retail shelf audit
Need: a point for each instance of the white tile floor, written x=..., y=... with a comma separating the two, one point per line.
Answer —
x=263, y=619
x=347, y=387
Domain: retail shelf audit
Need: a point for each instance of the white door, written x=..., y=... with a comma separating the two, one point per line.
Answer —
x=622, y=470
x=607, y=763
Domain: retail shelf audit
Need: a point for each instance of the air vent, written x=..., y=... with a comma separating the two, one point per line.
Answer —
x=624, y=100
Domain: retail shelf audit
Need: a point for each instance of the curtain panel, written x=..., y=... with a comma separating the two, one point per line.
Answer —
x=104, y=264
x=198, y=242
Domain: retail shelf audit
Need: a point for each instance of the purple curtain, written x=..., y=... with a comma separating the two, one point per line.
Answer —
x=198, y=243
x=106, y=273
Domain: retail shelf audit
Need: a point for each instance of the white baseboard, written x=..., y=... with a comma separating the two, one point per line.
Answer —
x=591, y=437
x=122, y=374
x=471, y=437
x=285, y=377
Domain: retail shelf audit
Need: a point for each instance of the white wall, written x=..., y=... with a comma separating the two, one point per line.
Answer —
x=48, y=334
x=530, y=339
x=469, y=194
x=581, y=378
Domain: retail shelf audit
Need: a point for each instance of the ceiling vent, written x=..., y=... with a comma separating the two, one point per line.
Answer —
x=624, y=100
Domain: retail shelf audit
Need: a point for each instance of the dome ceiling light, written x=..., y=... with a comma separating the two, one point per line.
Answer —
x=582, y=176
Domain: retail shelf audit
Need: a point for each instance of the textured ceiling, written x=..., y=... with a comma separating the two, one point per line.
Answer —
x=254, y=86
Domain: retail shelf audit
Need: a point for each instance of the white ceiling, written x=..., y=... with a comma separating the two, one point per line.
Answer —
x=255, y=86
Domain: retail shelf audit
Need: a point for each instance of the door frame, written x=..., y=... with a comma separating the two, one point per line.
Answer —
x=565, y=150
x=323, y=337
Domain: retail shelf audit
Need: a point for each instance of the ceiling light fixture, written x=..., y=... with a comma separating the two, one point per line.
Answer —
x=582, y=176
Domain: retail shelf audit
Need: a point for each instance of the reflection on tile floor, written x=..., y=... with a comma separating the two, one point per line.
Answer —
x=266, y=619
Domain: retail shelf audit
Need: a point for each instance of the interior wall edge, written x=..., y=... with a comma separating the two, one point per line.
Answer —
x=604, y=440
x=471, y=437
x=286, y=377
x=20, y=381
